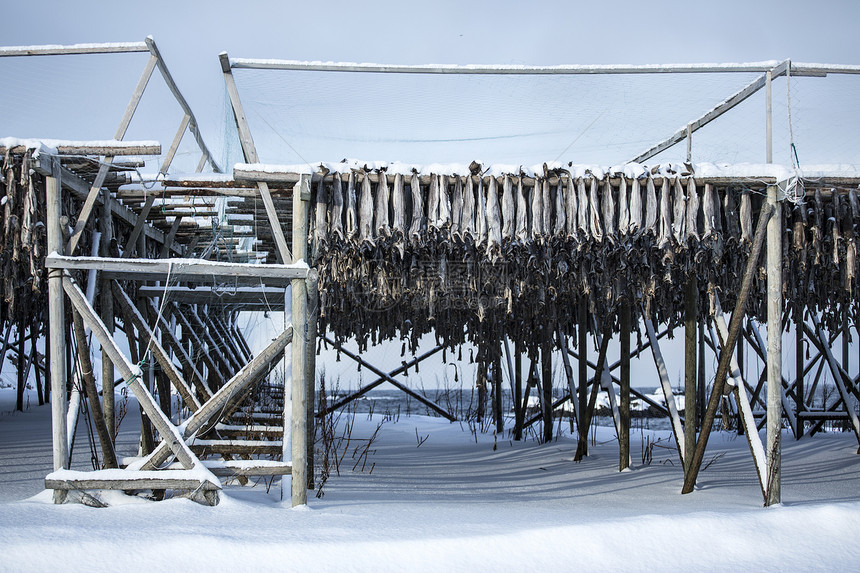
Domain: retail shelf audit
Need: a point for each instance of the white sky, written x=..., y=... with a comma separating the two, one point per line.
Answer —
x=190, y=36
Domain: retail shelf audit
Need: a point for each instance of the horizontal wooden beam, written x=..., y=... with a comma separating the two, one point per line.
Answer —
x=60, y=50
x=178, y=269
x=113, y=148
x=258, y=64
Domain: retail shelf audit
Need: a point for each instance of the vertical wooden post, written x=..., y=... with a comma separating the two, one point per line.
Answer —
x=56, y=334
x=700, y=393
x=741, y=363
x=799, y=365
x=624, y=433
x=301, y=198
x=311, y=359
x=691, y=299
x=774, y=326
x=519, y=407
x=582, y=346
x=498, y=414
x=546, y=387
x=107, y=315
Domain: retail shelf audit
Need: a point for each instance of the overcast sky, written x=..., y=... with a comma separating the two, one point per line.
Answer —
x=190, y=36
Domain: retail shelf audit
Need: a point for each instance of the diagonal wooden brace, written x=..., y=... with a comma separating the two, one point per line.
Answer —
x=212, y=409
x=161, y=355
x=172, y=441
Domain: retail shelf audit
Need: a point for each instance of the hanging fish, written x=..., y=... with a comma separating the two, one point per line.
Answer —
x=623, y=209
x=608, y=208
x=481, y=214
x=650, y=208
x=709, y=211
x=665, y=233
x=582, y=200
x=365, y=211
x=433, y=202
x=508, y=206
x=536, y=201
x=468, y=219
x=635, y=214
x=336, y=210
x=746, y=218
x=398, y=206
x=494, y=223
x=570, y=206
x=594, y=211
x=417, y=223
x=546, y=206
x=443, y=220
x=351, y=214
x=692, y=210
x=679, y=220
x=560, y=206
x=457, y=208
x=522, y=212
x=381, y=212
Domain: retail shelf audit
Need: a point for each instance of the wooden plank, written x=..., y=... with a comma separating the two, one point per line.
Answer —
x=298, y=435
x=58, y=50
x=257, y=64
x=691, y=327
x=178, y=269
x=174, y=145
x=171, y=236
x=214, y=347
x=130, y=484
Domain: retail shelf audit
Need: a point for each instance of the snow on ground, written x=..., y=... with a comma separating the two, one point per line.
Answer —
x=459, y=501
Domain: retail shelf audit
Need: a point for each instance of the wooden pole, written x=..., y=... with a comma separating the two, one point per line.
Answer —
x=56, y=334
x=691, y=299
x=582, y=347
x=799, y=367
x=87, y=377
x=582, y=444
x=107, y=315
x=725, y=356
x=774, y=325
x=624, y=433
x=301, y=198
x=546, y=388
x=519, y=409
x=311, y=359
x=700, y=393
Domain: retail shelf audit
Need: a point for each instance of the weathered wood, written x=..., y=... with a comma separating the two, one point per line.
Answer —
x=691, y=303
x=582, y=443
x=237, y=447
x=745, y=413
x=55, y=50
x=546, y=389
x=214, y=407
x=582, y=348
x=731, y=340
x=56, y=331
x=198, y=345
x=131, y=243
x=666, y=385
x=299, y=421
x=132, y=375
x=89, y=382
x=178, y=269
x=157, y=349
x=624, y=409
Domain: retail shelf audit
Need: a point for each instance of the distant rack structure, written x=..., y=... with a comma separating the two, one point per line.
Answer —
x=531, y=258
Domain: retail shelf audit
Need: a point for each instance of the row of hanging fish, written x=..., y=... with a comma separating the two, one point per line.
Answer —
x=446, y=253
